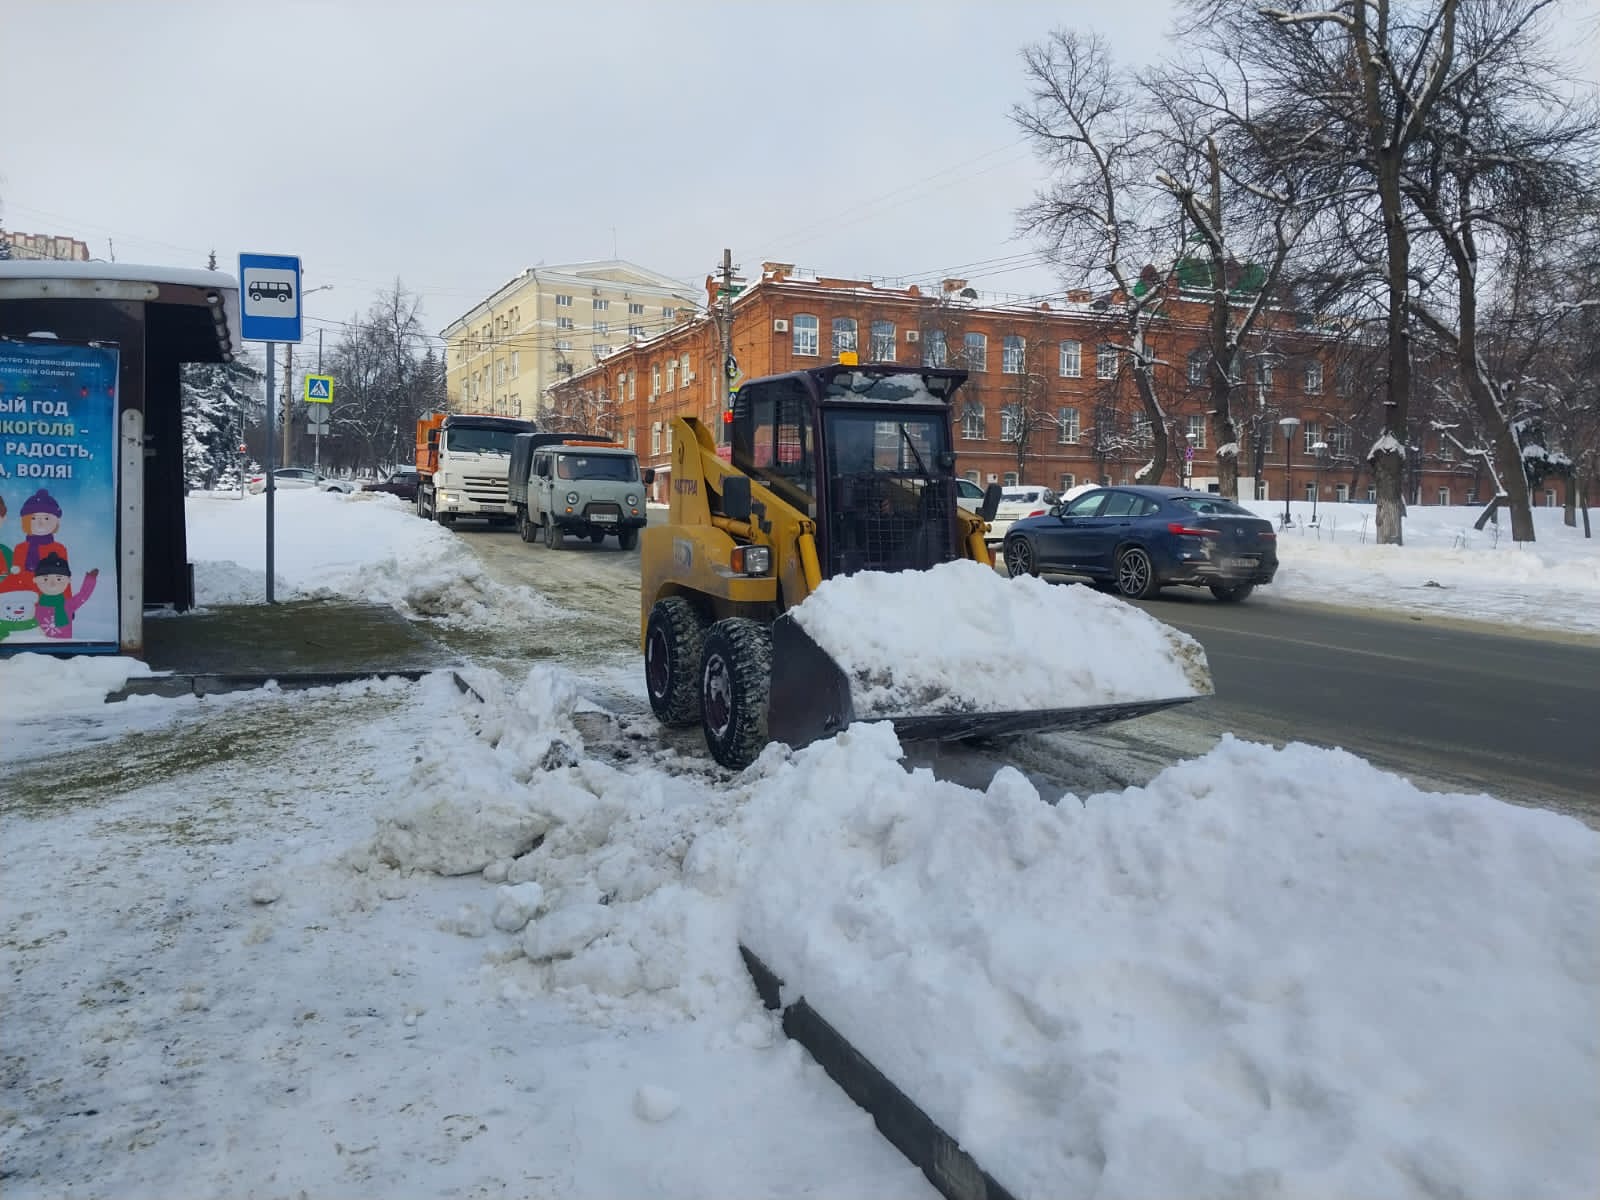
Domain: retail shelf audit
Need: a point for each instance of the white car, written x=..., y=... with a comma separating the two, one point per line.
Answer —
x=299, y=477
x=969, y=495
x=1025, y=500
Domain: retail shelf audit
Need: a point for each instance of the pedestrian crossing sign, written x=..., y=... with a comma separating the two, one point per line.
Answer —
x=319, y=389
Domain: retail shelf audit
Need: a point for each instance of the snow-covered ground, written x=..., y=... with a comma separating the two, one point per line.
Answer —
x=392, y=939
x=1445, y=567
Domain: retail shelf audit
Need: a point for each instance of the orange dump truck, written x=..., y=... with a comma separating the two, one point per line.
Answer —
x=462, y=463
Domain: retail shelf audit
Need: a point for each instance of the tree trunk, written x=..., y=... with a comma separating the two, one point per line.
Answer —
x=1569, y=514
x=1387, y=466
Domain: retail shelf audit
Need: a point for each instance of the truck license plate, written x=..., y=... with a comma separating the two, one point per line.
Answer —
x=1239, y=564
x=605, y=516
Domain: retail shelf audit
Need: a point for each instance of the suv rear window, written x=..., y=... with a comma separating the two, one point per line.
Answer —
x=1212, y=506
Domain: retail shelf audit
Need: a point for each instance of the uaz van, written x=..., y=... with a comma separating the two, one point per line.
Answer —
x=591, y=489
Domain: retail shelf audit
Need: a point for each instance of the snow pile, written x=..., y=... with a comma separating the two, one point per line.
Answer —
x=364, y=546
x=35, y=684
x=611, y=881
x=960, y=637
x=1268, y=972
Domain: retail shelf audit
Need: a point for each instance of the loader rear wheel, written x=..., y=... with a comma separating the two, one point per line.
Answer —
x=673, y=639
x=735, y=685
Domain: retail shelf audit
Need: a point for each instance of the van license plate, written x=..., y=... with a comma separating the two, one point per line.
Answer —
x=605, y=516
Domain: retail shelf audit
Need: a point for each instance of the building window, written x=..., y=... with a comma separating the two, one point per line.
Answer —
x=882, y=341
x=1013, y=352
x=563, y=301
x=1549, y=497
x=1341, y=492
x=1372, y=493
x=635, y=309
x=672, y=374
x=1071, y=360
x=1263, y=373
x=516, y=364
x=563, y=344
x=602, y=351
x=563, y=322
x=1447, y=452
x=1196, y=431
x=602, y=327
x=1313, y=378
x=1011, y=423
x=633, y=385
x=1444, y=495
x=934, y=352
x=805, y=334
x=1197, y=368
x=655, y=380
x=1143, y=430
x=683, y=367
x=670, y=313
x=1313, y=435
x=1105, y=362
x=564, y=368
x=844, y=335
x=630, y=440
x=636, y=331
x=601, y=305
x=1311, y=492
x=622, y=385
x=972, y=422
x=975, y=352
x=1067, y=484
x=1067, y=426
x=1264, y=431
x=1339, y=442
x=1012, y=479
x=655, y=437
x=666, y=438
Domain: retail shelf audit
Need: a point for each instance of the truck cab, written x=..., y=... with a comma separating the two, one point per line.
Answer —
x=462, y=466
x=590, y=489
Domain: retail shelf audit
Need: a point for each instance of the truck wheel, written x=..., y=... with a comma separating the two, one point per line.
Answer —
x=448, y=520
x=628, y=539
x=673, y=638
x=735, y=683
x=597, y=537
x=422, y=504
x=553, y=537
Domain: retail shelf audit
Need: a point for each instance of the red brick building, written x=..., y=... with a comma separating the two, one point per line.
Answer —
x=1049, y=399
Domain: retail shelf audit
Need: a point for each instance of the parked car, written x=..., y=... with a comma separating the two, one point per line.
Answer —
x=402, y=482
x=1140, y=539
x=1017, y=502
x=969, y=495
x=300, y=477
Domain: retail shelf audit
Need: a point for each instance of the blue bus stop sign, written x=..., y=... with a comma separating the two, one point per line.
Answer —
x=269, y=297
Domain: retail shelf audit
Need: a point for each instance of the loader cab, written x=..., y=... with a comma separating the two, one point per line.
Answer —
x=865, y=452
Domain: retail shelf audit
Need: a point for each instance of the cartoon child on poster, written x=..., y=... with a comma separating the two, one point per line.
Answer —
x=36, y=590
x=41, y=517
x=57, y=603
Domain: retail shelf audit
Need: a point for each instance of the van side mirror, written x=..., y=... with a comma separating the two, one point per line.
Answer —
x=736, y=497
x=649, y=476
x=991, y=502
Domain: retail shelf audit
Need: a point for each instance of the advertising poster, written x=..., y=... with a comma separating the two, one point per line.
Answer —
x=58, y=497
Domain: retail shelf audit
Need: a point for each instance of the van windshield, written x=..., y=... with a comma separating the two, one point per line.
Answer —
x=623, y=468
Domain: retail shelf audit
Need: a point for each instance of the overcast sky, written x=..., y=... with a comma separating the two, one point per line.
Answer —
x=454, y=144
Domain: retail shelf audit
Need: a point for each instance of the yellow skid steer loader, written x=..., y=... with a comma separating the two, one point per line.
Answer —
x=829, y=471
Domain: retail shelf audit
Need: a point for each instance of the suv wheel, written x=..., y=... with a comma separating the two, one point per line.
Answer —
x=1136, y=574
x=1234, y=594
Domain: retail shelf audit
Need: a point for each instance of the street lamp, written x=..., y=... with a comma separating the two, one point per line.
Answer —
x=1290, y=424
x=1320, y=449
x=1188, y=461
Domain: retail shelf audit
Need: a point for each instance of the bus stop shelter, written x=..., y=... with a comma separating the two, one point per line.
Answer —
x=91, y=445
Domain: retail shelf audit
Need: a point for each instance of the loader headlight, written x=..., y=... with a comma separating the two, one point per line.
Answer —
x=752, y=560
x=572, y=497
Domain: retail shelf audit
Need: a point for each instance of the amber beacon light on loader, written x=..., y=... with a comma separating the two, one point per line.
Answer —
x=831, y=471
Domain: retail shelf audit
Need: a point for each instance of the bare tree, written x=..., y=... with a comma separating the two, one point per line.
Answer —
x=1101, y=213
x=583, y=405
x=1502, y=151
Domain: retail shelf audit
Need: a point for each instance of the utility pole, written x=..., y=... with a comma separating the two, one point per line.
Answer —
x=727, y=338
x=288, y=395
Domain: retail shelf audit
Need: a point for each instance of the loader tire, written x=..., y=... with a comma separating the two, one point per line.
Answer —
x=735, y=685
x=673, y=639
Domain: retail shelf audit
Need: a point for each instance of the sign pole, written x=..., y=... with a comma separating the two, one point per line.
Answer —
x=272, y=416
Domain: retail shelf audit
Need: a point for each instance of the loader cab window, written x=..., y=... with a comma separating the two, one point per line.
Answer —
x=774, y=442
x=891, y=502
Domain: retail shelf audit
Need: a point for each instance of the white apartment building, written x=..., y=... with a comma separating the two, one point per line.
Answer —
x=548, y=323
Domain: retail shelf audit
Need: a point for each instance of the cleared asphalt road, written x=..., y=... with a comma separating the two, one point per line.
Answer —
x=1470, y=708
x=1513, y=713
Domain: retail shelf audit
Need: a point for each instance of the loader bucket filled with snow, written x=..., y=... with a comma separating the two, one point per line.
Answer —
x=959, y=652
